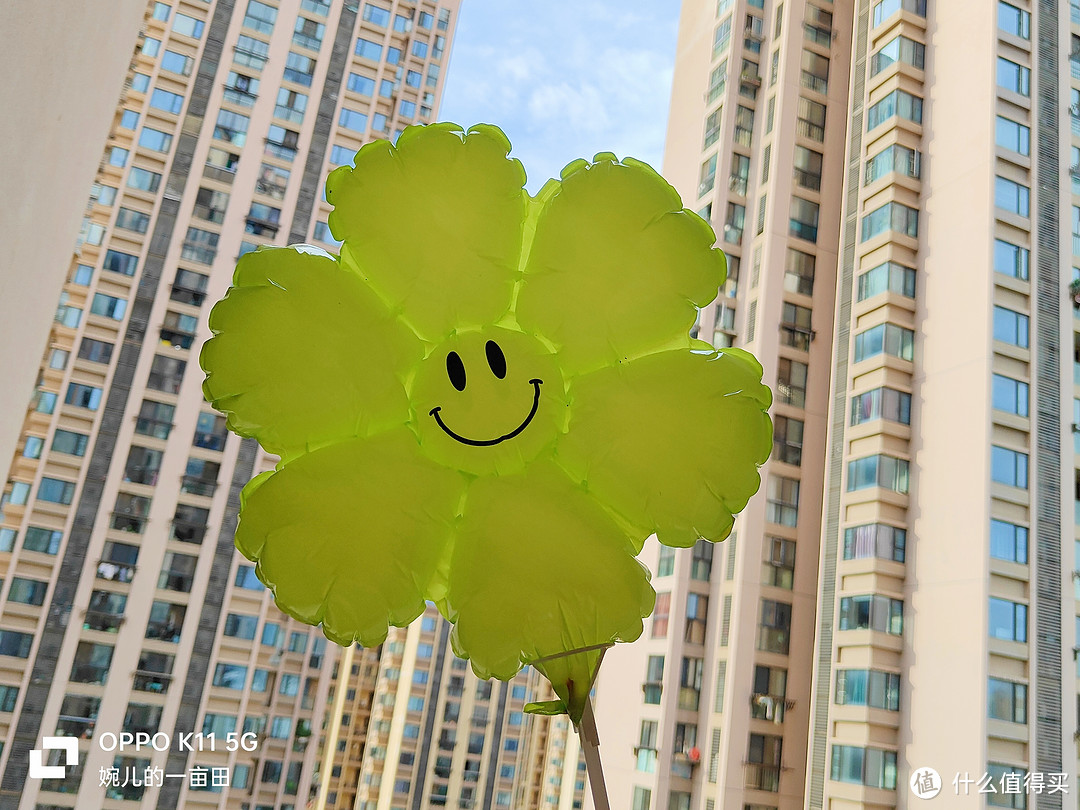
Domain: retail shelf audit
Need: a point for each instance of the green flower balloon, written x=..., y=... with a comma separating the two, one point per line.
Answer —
x=489, y=401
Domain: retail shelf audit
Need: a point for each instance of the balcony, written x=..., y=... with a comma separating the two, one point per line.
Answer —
x=177, y=339
x=115, y=572
x=70, y=726
x=187, y=532
x=163, y=631
x=128, y=523
x=195, y=485
x=140, y=474
x=154, y=682
x=762, y=777
x=102, y=622
x=770, y=707
x=89, y=673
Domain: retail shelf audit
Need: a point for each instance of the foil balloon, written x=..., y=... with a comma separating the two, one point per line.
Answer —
x=488, y=401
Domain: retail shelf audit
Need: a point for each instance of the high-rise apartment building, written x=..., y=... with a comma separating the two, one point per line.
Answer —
x=123, y=605
x=900, y=595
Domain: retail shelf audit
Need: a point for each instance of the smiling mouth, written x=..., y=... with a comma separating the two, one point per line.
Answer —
x=489, y=442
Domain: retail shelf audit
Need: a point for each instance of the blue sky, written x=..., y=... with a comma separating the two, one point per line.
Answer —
x=565, y=78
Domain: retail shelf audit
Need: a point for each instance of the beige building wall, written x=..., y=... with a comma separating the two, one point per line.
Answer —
x=124, y=605
x=66, y=63
x=755, y=139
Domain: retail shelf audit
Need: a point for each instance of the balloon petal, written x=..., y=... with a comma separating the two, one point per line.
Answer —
x=539, y=568
x=434, y=224
x=304, y=353
x=672, y=441
x=617, y=266
x=353, y=536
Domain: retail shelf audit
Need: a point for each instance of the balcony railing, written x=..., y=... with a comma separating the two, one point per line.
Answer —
x=187, y=532
x=102, y=621
x=762, y=777
x=156, y=682
x=198, y=486
x=115, y=572
x=128, y=523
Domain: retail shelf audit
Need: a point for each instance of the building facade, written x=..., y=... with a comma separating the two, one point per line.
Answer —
x=901, y=593
x=123, y=605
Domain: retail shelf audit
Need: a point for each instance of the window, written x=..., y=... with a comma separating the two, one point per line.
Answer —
x=701, y=561
x=299, y=69
x=174, y=62
x=290, y=685
x=199, y=246
x=91, y=663
x=1013, y=20
x=32, y=447
x=241, y=89
x=230, y=676
x=1007, y=700
x=886, y=8
x=875, y=540
x=885, y=338
x=868, y=687
x=1001, y=775
x=1012, y=197
x=118, y=156
x=407, y=109
x=697, y=613
x=882, y=471
x=795, y=328
x=341, y=155
x=241, y=626
x=108, y=307
x=808, y=168
x=872, y=612
x=774, y=629
x=66, y=441
x=898, y=49
x=779, y=568
x=82, y=274
x=1010, y=395
x=58, y=358
x=245, y=578
x=131, y=220
x=1009, y=467
x=232, y=127
x=666, y=564
x=155, y=140
x=210, y=431
x=811, y=121
x=897, y=102
x=1010, y=327
x=881, y=403
x=27, y=591
x=362, y=85
x=187, y=26
x=891, y=217
x=887, y=277
x=1008, y=620
x=8, y=696
x=804, y=219
x=661, y=615
x=167, y=102
x=654, y=678
x=260, y=17
x=366, y=49
x=251, y=52
x=1011, y=260
x=787, y=440
x=782, y=503
x=763, y=762
x=717, y=82
x=815, y=72
x=1013, y=77
x=734, y=222
x=377, y=15
x=1013, y=136
x=791, y=382
x=707, y=176
x=1008, y=541
x=721, y=38
x=83, y=396
x=43, y=541
x=895, y=158
x=799, y=272
x=139, y=83
x=308, y=33
x=352, y=119
x=281, y=142
x=872, y=767
x=690, y=683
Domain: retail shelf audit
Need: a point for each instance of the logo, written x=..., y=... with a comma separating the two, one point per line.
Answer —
x=926, y=783
x=38, y=768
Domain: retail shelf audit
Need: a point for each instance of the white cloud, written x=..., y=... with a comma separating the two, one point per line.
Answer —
x=566, y=82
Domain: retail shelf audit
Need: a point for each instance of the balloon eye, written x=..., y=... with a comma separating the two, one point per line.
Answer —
x=496, y=359
x=455, y=370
